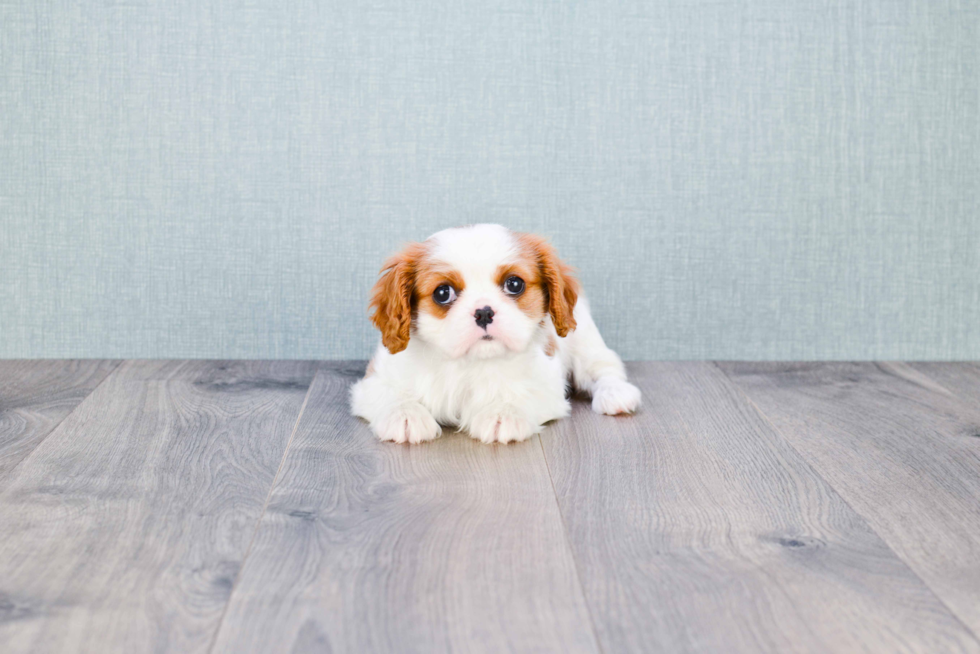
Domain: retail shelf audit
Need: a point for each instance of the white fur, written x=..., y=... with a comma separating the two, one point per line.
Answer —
x=499, y=391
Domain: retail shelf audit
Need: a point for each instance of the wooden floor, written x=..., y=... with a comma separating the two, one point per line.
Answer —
x=194, y=506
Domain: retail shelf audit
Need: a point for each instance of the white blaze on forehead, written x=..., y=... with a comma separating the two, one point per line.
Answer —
x=476, y=251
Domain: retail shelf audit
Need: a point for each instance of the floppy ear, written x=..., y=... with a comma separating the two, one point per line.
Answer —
x=559, y=281
x=391, y=297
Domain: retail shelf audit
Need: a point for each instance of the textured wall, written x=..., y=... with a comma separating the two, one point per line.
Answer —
x=769, y=179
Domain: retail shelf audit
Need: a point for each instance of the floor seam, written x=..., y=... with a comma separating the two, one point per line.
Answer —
x=9, y=473
x=806, y=461
x=884, y=368
x=265, y=506
x=568, y=543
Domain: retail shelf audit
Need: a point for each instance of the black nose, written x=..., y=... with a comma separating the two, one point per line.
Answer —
x=484, y=316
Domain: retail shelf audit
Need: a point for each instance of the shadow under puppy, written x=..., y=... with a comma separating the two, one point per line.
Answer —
x=482, y=328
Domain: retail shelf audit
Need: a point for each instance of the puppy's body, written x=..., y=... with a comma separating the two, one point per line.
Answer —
x=492, y=361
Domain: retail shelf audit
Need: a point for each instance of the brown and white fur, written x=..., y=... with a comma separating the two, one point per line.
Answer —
x=501, y=377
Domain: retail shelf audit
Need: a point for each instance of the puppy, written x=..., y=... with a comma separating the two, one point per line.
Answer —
x=482, y=328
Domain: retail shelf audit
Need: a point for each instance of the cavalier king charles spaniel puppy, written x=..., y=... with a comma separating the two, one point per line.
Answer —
x=483, y=328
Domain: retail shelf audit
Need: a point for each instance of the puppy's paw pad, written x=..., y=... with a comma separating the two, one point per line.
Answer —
x=503, y=428
x=408, y=424
x=615, y=396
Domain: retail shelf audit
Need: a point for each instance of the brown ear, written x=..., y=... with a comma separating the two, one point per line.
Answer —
x=559, y=281
x=391, y=297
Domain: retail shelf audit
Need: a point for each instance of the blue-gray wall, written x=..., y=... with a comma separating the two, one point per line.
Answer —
x=770, y=179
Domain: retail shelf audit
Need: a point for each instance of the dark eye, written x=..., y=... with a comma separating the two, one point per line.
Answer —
x=514, y=286
x=444, y=295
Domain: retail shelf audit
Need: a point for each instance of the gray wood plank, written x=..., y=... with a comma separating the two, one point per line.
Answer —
x=367, y=546
x=960, y=378
x=35, y=396
x=901, y=451
x=697, y=528
x=126, y=527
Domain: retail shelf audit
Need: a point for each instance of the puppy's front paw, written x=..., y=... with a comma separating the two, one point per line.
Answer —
x=411, y=423
x=501, y=428
x=613, y=396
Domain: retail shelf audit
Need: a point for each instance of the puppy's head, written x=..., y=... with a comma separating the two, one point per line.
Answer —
x=480, y=291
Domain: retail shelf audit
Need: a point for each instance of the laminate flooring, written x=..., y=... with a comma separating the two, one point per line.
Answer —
x=236, y=506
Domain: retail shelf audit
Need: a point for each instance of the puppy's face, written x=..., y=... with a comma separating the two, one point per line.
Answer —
x=480, y=291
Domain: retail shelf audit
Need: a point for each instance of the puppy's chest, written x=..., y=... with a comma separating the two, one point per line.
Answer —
x=454, y=390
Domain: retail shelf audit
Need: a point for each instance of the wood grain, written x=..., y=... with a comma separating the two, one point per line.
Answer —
x=126, y=527
x=35, y=396
x=697, y=528
x=837, y=509
x=367, y=546
x=904, y=453
x=961, y=378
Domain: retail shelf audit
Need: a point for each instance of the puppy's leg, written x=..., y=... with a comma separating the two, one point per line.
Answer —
x=595, y=368
x=392, y=417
